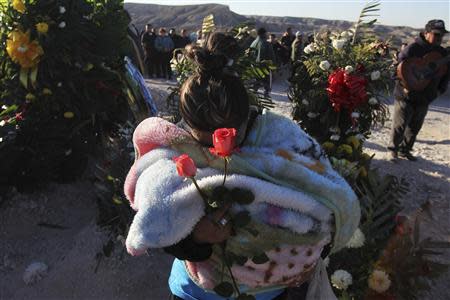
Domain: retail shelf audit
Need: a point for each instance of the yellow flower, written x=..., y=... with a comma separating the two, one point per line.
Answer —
x=46, y=91
x=344, y=148
x=42, y=27
x=328, y=146
x=18, y=5
x=379, y=281
x=30, y=97
x=69, y=115
x=23, y=52
x=354, y=141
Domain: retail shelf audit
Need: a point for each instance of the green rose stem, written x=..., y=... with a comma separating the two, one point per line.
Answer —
x=225, y=170
x=223, y=245
x=199, y=190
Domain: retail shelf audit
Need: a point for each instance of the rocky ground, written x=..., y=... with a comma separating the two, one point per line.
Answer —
x=70, y=250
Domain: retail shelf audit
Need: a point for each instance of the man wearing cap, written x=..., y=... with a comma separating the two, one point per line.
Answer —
x=411, y=107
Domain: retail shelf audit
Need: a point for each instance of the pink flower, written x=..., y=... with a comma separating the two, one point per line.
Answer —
x=185, y=166
x=224, y=140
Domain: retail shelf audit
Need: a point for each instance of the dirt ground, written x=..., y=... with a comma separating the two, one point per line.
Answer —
x=70, y=252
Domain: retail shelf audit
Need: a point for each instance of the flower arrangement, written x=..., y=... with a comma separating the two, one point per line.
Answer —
x=62, y=85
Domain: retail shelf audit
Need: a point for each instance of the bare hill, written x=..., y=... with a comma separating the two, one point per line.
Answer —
x=191, y=16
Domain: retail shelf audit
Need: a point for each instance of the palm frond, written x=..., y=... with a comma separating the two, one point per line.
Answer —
x=362, y=25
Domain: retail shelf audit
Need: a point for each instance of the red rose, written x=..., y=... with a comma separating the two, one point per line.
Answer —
x=185, y=166
x=224, y=140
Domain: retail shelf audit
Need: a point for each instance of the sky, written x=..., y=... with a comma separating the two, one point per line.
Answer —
x=392, y=12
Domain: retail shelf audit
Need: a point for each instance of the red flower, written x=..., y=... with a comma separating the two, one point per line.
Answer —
x=185, y=166
x=224, y=140
x=346, y=90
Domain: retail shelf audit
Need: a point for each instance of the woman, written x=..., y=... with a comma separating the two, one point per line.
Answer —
x=297, y=194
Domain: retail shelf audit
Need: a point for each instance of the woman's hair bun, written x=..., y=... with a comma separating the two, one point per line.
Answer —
x=206, y=61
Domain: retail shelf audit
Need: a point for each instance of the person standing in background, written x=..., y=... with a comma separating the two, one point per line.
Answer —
x=148, y=44
x=185, y=40
x=164, y=45
x=411, y=107
x=297, y=47
x=286, y=42
x=177, y=40
x=263, y=51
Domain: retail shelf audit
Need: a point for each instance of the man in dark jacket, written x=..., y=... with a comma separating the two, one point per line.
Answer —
x=263, y=51
x=411, y=107
x=148, y=44
x=286, y=42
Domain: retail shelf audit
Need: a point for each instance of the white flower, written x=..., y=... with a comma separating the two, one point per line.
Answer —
x=2, y=123
x=338, y=44
x=1, y=139
x=4, y=107
x=348, y=69
x=305, y=102
x=324, y=65
x=341, y=279
x=355, y=115
x=375, y=75
x=312, y=115
x=335, y=137
x=62, y=9
x=59, y=84
x=379, y=281
x=62, y=24
x=357, y=239
x=310, y=48
x=373, y=101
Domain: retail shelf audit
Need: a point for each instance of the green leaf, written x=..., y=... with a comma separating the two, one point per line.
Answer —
x=260, y=259
x=242, y=219
x=10, y=109
x=224, y=289
x=242, y=196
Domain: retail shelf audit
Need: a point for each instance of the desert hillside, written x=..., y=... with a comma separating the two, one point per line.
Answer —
x=191, y=16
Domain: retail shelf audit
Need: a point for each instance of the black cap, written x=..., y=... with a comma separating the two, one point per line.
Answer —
x=435, y=26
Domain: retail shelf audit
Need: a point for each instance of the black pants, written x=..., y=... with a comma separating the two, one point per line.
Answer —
x=407, y=122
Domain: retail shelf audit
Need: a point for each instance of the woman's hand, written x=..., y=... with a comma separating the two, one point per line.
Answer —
x=214, y=228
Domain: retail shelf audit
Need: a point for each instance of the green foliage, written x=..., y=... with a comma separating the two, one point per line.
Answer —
x=380, y=203
x=55, y=113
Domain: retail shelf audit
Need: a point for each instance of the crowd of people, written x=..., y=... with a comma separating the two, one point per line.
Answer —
x=159, y=45
x=158, y=48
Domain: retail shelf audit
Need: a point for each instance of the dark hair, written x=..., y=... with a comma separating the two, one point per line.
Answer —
x=262, y=31
x=273, y=35
x=213, y=97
